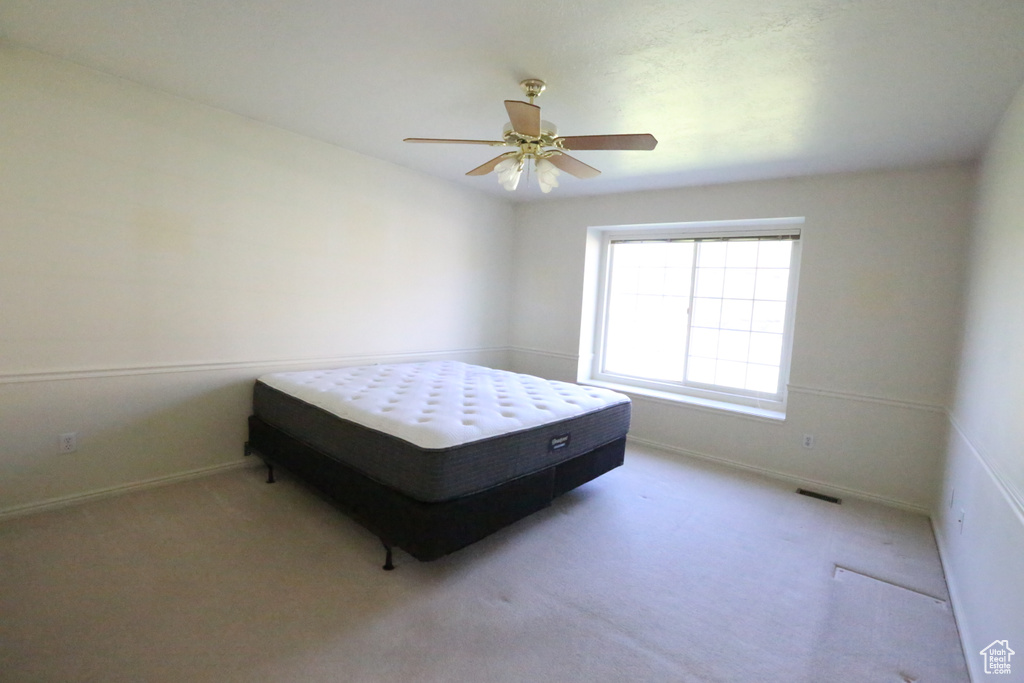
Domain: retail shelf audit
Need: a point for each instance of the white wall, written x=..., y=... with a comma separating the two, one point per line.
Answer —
x=984, y=476
x=877, y=323
x=156, y=255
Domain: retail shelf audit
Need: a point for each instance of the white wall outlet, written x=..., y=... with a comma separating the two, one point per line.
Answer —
x=808, y=441
x=68, y=443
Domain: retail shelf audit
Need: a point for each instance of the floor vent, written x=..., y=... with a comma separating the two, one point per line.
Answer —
x=820, y=496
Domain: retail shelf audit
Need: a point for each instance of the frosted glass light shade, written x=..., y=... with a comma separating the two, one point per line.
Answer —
x=509, y=171
x=547, y=175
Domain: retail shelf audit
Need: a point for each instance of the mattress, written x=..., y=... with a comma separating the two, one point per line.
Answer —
x=440, y=430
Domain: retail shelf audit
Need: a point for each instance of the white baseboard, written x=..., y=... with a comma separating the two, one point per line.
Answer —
x=971, y=477
x=955, y=602
x=822, y=486
x=99, y=494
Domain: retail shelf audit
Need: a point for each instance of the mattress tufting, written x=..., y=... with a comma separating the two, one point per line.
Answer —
x=441, y=404
x=439, y=430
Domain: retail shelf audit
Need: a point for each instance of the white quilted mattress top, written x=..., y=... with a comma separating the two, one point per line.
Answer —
x=440, y=404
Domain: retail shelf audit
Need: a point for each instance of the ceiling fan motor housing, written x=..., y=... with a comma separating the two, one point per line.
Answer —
x=548, y=134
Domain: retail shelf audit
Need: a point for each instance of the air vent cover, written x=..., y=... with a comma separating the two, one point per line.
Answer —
x=820, y=496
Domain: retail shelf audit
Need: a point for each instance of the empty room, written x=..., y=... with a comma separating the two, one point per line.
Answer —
x=710, y=368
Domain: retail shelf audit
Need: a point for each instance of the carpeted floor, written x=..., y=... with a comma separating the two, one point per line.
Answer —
x=663, y=570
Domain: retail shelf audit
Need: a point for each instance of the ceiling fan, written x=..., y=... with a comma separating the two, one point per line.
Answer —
x=535, y=139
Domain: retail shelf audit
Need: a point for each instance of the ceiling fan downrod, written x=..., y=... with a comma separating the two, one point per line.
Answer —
x=533, y=87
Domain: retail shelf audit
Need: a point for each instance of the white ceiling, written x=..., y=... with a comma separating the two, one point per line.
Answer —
x=732, y=89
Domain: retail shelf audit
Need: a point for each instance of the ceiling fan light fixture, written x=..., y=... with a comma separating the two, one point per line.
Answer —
x=532, y=137
x=509, y=171
x=547, y=175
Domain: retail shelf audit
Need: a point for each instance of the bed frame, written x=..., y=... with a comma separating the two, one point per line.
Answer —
x=426, y=531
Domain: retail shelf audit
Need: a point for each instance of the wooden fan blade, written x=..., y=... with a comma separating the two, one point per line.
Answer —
x=457, y=142
x=573, y=166
x=639, y=141
x=525, y=117
x=484, y=169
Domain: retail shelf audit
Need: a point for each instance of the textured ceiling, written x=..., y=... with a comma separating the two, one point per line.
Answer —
x=732, y=89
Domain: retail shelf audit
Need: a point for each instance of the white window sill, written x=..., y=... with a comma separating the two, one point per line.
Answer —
x=774, y=415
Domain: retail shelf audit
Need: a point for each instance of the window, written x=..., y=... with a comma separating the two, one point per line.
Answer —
x=700, y=310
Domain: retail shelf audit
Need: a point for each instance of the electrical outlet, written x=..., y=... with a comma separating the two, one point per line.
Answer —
x=68, y=443
x=808, y=440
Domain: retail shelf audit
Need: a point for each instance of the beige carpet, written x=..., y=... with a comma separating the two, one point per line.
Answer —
x=893, y=623
x=664, y=570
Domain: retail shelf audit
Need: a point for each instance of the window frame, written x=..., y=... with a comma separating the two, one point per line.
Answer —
x=592, y=348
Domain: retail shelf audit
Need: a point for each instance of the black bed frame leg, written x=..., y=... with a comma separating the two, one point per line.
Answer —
x=270, y=473
x=388, y=564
